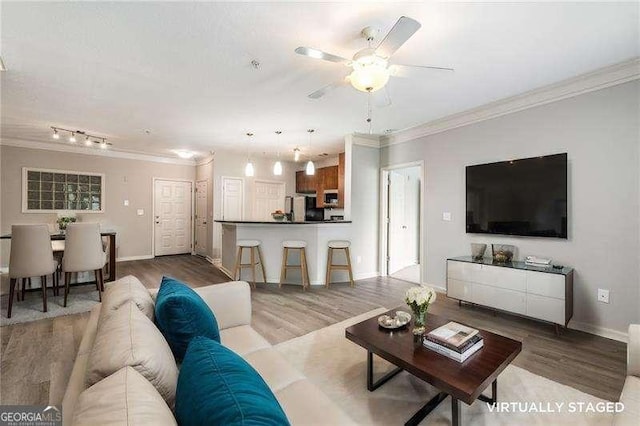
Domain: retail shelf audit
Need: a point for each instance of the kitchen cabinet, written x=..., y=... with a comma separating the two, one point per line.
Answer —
x=305, y=184
x=340, y=181
x=329, y=177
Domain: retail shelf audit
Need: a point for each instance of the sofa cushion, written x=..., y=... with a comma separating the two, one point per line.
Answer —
x=276, y=371
x=125, y=397
x=128, y=338
x=126, y=289
x=216, y=386
x=243, y=340
x=181, y=315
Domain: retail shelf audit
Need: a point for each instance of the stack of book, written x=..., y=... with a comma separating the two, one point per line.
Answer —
x=454, y=340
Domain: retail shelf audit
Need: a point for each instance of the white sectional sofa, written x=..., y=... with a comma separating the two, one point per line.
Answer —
x=630, y=396
x=302, y=401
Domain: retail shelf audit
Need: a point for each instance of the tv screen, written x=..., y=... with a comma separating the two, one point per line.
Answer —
x=525, y=197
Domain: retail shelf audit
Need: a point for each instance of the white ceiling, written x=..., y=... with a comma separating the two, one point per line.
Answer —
x=182, y=70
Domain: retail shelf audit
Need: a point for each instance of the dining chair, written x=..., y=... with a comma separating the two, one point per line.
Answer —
x=83, y=252
x=31, y=256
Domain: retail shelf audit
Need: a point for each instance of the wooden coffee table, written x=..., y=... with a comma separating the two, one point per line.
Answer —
x=462, y=381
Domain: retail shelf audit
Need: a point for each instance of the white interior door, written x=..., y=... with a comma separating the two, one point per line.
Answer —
x=397, y=228
x=232, y=198
x=268, y=197
x=202, y=195
x=172, y=209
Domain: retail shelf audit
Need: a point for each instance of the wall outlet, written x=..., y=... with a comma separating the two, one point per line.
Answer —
x=358, y=259
x=446, y=216
x=126, y=202
x=603, y=295
x=140, y=212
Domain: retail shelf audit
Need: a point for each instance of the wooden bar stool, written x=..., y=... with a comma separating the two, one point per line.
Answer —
x=253, y=246
x=304, y=270
x=339, y=245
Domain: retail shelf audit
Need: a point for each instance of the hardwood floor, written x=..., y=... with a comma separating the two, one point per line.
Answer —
x=36, y=358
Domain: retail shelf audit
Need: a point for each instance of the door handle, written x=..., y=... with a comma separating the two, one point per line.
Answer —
x=204, y=223
x=157, y=223
x=404, y=227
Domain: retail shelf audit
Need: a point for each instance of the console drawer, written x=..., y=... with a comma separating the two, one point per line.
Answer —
x=545, y=284
x=546, y=308
x=498, y=276
x=500, y=298
x=463, y=271
x=460, y=290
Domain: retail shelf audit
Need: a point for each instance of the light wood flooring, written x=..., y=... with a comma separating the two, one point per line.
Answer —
x=36, y=358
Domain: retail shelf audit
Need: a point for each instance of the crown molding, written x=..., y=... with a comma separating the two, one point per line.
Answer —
x=612, y=75
x=363, y=139
x=110, y=153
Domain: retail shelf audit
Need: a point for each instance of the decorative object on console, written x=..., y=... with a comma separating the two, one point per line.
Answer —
x=477, y=250
x=502, y=253
x=419, y=298
x=537, y=261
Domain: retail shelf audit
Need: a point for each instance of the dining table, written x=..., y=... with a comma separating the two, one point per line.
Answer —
x=111, y=246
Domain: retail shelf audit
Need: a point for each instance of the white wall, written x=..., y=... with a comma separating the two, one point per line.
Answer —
x=600, y=132
x=227, y=164
x=362, y=201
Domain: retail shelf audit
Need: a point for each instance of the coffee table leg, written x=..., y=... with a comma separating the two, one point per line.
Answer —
x=371, y=385
x=494, y=394
x=426, y=409
x=456, y=414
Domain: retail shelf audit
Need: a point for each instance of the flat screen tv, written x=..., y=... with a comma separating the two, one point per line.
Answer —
x=526, y=197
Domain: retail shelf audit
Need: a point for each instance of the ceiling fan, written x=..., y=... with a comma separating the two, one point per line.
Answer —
x=370, y=66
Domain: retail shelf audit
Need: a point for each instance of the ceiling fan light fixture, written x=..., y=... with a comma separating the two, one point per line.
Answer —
x=370, y=73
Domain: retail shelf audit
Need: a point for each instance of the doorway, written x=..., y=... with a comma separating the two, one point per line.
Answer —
x=172, y=207
x=232, y=198
x=402, y=222
x=202, y=198
x=268, y=197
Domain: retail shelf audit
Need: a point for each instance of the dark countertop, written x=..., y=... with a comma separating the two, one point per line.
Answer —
x=515, y=265
x=273, y=222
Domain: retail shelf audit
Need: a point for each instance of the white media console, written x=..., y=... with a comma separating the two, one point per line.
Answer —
x=540, y=293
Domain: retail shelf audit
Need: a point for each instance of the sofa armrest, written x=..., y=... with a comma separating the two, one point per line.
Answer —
x=633, y=351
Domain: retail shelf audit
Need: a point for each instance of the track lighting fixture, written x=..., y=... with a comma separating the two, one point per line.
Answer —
x=89, y=140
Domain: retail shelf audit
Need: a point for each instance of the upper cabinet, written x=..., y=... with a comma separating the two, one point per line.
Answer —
x=325, y=179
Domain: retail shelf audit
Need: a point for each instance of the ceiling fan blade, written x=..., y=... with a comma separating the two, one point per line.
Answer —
x=324, y=90
x=398, y=70
x=319, y=54
x=399, y=34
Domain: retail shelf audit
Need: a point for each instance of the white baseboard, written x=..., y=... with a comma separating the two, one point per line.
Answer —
x=129, y=258
x=210, y=259
x=609, y=333
x=365, y=275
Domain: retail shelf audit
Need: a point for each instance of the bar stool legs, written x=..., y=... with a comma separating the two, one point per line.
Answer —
x=339, y=245
x=253, y=263
x=304, y=270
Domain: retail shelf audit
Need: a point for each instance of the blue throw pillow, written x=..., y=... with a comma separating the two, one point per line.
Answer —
x=181, y=315
x=217, y=387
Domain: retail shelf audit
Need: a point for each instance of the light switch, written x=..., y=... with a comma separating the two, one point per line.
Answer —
x=126, y=202
x=603, y=295
x=140, y=212
x=446, y=216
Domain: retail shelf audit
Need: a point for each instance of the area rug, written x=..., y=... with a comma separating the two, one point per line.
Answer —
x=81, y=299
x=338, y=367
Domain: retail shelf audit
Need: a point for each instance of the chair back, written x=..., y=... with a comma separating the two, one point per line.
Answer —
x=83, y=248
x=31, y=253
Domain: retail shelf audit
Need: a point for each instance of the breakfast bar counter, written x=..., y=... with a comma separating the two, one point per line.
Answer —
x=272, y=234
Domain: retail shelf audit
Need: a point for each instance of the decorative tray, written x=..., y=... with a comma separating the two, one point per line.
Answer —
x=392, y=323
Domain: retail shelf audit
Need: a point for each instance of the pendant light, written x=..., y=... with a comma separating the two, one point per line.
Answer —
x=311, y=168
x=296, y=154
x=248, y=169
x=277, y=167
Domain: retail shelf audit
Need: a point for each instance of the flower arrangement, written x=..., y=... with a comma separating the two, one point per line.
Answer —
x=63, y=221
x=419, y=299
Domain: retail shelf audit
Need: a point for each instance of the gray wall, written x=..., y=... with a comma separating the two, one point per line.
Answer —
x=600, y=132
x=124, y=180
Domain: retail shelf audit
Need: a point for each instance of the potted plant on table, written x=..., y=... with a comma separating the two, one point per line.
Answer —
x=419, y=298
x=63, y=221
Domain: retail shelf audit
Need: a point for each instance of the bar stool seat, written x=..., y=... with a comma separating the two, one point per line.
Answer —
x=338, y=245
x=253, y=246
x=304, y=270
x=294, y=244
